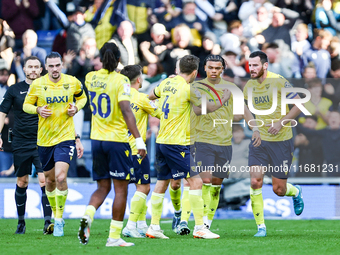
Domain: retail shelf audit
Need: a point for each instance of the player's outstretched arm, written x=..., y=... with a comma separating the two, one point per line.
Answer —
x=248, y=116
x=2, y=123
x=152, y=95
x=292, y=114
x=130, y=120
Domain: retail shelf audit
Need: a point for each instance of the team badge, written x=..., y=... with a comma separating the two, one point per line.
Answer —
x=193, y=168
x=199, y=163
x=287, y=85
x=66, y=86
x=146, y=177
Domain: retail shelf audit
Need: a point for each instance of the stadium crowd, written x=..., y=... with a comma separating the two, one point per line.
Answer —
x=300, y=38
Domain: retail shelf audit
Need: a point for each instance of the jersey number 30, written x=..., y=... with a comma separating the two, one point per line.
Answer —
x=99, y=109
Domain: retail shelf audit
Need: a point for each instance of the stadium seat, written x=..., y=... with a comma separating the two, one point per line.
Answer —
x=46, y=38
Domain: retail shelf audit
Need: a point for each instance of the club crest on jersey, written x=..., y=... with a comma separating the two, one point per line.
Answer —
x=146, y=177
x=127, y=152
x=199, y=163
x=66, y=86
x=57, y=99
x=193, y=168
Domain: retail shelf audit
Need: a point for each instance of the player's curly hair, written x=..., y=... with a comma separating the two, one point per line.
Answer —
x=109, y=56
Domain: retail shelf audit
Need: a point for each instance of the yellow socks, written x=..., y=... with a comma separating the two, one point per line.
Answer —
x=137, y=205
x=51, y=199
x=257, y=205
x=196, y=202
x=61, y=196
x=186, y=208
x=115, y=229
x=292, y=191
x=156, y=207
x=206, y=197
x=90, y=211
x=175, y=196
x=214, y=200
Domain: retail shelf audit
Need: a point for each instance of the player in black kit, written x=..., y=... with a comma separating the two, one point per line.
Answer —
x=24, y=143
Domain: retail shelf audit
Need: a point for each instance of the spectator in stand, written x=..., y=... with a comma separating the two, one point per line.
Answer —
x=325, y=17
x=303, y=7
x=332, y=87
x=76, y=27
x=330, y=142
x=105, y=16
x=225, y=12
x=308, y=74
x=198, y=28
x=276, y=63
x=317, y=105
x=140, y=13
x=154, y=75
x=318, y=54
x=230, y=58
x=334, y=49
x=19, y=16
x=300, y=44
x=231, y=41
x=310, y=149
x=250, y=8
x=7, y=42
x=127, y=44
x=283, y=20
x=257, y=24
x=166, y=10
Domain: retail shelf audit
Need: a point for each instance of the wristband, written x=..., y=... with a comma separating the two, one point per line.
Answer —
x=256, y=129
x=140, y=143
x=77, y=137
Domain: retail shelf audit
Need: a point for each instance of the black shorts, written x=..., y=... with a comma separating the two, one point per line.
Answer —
x=23, y=160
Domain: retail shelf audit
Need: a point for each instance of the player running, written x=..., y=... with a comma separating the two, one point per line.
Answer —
x=24, y=144
x=52, y=96
x=141, y=106
x=276, y=149
x=110, y=95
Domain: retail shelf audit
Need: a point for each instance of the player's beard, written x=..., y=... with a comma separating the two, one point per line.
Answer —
x=32, y=77
x=261, y=72
x=55, y=76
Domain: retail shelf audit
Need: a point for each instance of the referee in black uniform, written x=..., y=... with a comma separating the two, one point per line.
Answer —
x=24, y=143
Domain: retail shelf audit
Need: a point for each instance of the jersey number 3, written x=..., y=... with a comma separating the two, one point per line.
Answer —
x=97, y=106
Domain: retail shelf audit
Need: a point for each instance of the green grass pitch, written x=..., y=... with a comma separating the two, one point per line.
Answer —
x=284, y=237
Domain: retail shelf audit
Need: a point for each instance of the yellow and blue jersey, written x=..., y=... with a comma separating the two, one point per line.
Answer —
x=262, y=99
x=205, y=130
x=59, y=126
x=106, y=90
x=141, y=106
x=175, y=96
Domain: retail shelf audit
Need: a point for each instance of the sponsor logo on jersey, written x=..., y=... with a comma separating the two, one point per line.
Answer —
x=57, y=99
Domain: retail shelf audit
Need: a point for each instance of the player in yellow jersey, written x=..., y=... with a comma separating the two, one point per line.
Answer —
x=275, y=153
x=52, y=96
x=213, y=142
x=173, y=159
x=141, y=106
x=110, y=94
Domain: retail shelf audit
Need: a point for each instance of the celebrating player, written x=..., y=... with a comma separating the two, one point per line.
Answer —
x=173, y=159
x=24, y=144
x=276, y=149
x=141, y=106
x=54, y=94
x=213, y=142
x=110, y=94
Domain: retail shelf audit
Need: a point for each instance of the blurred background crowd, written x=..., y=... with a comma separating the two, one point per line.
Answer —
x=300, y=37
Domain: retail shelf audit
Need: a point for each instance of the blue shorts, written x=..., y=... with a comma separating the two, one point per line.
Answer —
x=174, y=162
x=276, y=156
x=214, y=157
x=141, y=170
x=61, y=152
x=111, y=160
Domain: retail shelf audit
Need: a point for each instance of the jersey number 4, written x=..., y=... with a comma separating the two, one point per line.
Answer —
x=165, y=108
x=97, y=106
